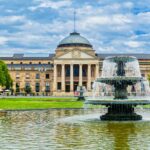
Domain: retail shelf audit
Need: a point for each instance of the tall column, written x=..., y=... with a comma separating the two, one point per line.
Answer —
x=97, y=71
x=55, y=78
x=71, y=77
x=63, y=78
x=89, y=77
x=80, y=75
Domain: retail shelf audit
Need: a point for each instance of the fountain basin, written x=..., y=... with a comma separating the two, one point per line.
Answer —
x=110, y=102
x=120, y=75
x=119, y=79
x=123, y=58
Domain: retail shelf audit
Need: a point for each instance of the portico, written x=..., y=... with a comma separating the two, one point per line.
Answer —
x=68, y=76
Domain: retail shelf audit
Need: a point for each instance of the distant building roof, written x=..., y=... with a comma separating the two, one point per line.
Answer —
x=50, y=56
x=138, y=56
x=18, y=55
x=24, y=57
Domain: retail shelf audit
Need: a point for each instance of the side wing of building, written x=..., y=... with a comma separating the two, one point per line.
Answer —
x=34, y=72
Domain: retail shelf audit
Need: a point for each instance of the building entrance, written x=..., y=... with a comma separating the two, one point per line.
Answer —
x=67, y=87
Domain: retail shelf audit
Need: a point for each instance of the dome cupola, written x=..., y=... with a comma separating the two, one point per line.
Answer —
x=74, y=39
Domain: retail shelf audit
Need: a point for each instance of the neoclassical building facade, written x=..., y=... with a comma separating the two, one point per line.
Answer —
x=75, y=63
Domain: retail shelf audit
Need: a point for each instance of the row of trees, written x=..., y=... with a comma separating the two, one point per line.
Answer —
x=5, y=79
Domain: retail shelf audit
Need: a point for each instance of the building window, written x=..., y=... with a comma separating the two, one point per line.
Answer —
x=17, y=76
x=91, y=85
x=21, y=62
x=27, y=88
x=37, y=76
x=47, y=87
x=67, y=86
x=12, y=63
x=39, y=62
x=84, y=71
x=30, y=63
x=47, y=76
x=49, y=62
x=76, y=70
x=59, y=86
x=67, y=71
x=37, y=87
x=27, y=76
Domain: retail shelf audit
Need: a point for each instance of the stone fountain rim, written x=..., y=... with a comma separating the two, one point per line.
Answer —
x=119, y=101
x=119, y=78
x=130, y=58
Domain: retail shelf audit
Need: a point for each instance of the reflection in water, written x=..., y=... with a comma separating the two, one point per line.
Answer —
x=70, y=130
x=121, y=133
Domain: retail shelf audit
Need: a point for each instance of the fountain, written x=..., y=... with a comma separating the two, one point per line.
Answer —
x=120, y=88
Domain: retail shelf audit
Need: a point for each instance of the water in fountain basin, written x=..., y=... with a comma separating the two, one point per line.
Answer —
x=131, y=69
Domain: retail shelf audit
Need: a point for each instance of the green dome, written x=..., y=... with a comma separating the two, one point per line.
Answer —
x=74, y=39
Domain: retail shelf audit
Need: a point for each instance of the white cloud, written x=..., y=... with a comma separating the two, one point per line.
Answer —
x=110, y=27
x=11, y=19
x=133, y=44
x=51, y=4
x=3, y=40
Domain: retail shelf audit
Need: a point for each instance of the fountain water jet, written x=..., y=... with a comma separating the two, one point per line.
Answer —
x=124, y=89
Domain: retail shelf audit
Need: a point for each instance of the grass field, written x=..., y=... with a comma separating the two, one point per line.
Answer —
x=39, y=103
x=44, y=103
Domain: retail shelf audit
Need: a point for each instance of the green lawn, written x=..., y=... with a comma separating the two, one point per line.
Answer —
x=39, y=103
x=43, y=103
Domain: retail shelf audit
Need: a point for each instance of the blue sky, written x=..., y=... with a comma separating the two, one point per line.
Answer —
x=37, y=26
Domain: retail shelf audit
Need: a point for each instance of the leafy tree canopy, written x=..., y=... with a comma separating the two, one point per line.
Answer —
x=148, y=77
x=5, y=79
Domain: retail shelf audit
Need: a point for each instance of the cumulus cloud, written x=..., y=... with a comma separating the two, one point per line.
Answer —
x=3, y=40
x=112, y=27
x=51, y=4
x=11, y=19
x=133, y=44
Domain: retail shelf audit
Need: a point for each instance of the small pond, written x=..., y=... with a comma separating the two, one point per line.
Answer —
x=72, y=129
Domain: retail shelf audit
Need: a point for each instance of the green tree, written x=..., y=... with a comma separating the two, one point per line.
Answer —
x=148, y=77
x=28, y=89
x=5, y=79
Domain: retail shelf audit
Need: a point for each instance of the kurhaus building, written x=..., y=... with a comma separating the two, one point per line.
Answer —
x=74, y=64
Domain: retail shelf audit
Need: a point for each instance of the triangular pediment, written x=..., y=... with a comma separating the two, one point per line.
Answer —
x=76, y=54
